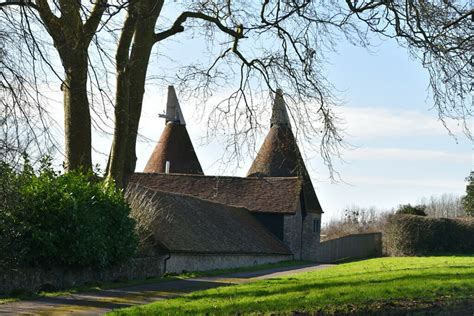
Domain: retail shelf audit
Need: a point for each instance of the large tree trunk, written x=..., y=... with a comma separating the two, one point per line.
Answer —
x=121, y=129
x=72, y=33
x=131, y=77
x=122, y=160
x=137, y=79
x=77, y=119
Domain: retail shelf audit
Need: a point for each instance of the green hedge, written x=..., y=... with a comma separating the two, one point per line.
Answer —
x=68, y=220
x=411, y=235
x=408, y=209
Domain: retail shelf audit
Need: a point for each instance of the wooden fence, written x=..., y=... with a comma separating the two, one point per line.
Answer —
x=350, y=247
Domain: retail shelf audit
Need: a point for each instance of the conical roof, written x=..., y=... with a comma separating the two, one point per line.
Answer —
x=175, y=145
x=173, y=110
x=279, y=155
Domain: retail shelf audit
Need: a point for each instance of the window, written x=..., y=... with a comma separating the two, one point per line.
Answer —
x=316, y=226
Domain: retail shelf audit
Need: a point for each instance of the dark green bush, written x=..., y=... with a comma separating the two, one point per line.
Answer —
x=408, y=209
x=71, y=219
x=468, y=199
x=409, y=235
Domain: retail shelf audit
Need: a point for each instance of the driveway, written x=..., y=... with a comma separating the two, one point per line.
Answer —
x=97, y=303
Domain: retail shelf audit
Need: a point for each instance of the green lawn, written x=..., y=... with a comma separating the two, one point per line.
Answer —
x=357, y=286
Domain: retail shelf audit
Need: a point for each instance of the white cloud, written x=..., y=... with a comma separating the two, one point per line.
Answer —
x=398, y=183
x=367, y=122
x=405, y=154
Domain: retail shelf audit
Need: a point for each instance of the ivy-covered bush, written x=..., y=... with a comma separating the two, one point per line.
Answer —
x=69, y=220
x=410, y=235
x=408, y=209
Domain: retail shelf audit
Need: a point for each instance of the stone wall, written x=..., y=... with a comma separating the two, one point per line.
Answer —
x=350, y=247
x=179, y=262
x=292, y=225
x=311, y=236
x=32, y=280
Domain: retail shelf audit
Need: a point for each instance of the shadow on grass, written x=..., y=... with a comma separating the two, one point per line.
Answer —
x=115, y=298
x=294, y=297
x=285, y=285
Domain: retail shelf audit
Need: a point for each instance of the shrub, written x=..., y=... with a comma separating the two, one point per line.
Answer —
x=415, y=235
x=412, y=210
x=71, y=219
x=468, y=199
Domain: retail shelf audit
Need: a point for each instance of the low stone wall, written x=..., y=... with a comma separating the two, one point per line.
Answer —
x=350, y=247
x=179, y=262
x=32, y=280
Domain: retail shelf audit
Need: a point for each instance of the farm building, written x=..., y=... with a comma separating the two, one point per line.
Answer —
x=205, y=222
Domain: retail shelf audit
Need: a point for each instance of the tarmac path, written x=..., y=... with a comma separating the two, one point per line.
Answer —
x=100, y=302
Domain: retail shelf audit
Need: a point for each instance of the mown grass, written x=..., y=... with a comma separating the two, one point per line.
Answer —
x=356, y=286
x=98, y=286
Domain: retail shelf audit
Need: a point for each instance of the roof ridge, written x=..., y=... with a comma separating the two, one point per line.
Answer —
x=216, y=176
x=191, y=197
x=269, y=195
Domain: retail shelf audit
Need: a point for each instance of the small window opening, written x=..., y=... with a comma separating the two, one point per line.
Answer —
x=316, y=226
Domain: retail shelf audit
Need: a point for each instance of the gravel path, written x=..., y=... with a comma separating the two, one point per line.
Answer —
x=96, y=303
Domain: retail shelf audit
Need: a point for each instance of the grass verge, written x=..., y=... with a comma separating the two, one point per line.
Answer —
x=363, y=286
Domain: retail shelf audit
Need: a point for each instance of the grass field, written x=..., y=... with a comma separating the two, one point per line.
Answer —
x=358, y=286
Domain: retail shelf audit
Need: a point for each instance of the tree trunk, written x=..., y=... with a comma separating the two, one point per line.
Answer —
x=137, y=79
x=116, y=161
x=130, y=91
x=122, y=158
x=72, y=33
x=77, y=119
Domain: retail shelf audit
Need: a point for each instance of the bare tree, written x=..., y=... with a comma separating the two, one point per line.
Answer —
x=441, y=35
x=445, y=205
x=71, y=26
x=26, y=125
x=356, y=220
x=253, y=47
x=230, y=26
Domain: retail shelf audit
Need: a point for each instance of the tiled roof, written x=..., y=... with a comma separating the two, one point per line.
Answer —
x=280, y=156
x=180, y=223
x=270, y=195
x=176, y=147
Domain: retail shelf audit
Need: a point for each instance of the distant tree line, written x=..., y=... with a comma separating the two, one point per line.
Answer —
x=356, y=220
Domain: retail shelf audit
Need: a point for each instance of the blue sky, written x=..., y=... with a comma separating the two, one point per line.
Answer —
x=401, y=151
